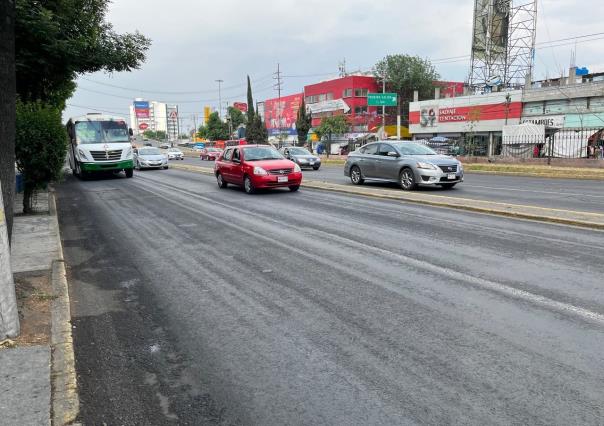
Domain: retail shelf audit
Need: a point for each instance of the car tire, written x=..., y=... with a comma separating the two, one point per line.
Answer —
x=165, y=167
x=356, y=177
x=316, y=168
x=294, y=188
x=406, y=179
x=221, y=182
x=448, y=185
x=129, y=173
x=248, y=186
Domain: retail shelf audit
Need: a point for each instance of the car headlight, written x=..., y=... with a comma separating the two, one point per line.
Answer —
x=82, y=154
x=427, y=166
x=259, y=171
x=297, y=168
x=460, y=167
x=128, y=153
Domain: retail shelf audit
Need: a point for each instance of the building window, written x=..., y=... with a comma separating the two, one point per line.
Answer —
x=312, y=99
x=360, y=93
x=360, y=109
x=329, y=96
x=347, y=93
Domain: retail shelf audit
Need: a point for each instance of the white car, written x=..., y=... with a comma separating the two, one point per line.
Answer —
x=175, y=154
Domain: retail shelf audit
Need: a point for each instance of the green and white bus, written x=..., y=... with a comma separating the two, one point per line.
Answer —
x=99, y=143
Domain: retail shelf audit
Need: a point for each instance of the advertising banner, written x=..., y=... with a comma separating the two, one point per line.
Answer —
x=280, y=113
x=141, y=109
x=241, y=106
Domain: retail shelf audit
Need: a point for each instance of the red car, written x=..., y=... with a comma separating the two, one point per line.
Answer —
x=210, y=153
x=255, y=167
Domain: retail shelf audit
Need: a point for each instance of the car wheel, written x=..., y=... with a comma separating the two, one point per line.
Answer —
x=355, y=175
x=165, y=167
x=129, y=173
x=248, y=186
x=316, y=168
x=407, y=179
x=448, y=185
x=221, y=182
x=294, y=188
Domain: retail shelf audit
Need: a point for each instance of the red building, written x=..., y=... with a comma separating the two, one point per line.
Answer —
x=450, y=89
x=344, y=95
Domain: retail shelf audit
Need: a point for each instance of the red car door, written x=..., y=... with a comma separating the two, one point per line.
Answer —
x=237, y=166
x=225, y=166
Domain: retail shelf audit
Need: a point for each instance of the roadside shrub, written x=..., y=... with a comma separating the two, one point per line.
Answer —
x=40, y=147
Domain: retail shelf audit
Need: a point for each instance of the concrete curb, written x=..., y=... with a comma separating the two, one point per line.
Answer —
x=541, y=214
x=65, y=400
x=539, y=175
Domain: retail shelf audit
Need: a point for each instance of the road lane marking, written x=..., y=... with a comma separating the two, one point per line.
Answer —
x=503, y=289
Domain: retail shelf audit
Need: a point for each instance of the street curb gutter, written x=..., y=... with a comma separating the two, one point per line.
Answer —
x=65, y=399
x=541, y=214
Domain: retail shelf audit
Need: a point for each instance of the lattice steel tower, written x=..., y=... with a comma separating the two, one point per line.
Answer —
x=503, y=43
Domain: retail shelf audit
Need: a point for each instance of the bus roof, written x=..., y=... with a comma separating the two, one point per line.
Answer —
x=96, y=117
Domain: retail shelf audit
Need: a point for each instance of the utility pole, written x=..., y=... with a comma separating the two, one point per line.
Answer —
x=384, y=107
x=194, y=126
x=277, y=86
x=219, y=97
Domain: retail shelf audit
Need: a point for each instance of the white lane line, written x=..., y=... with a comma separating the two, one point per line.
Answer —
x=574, y=194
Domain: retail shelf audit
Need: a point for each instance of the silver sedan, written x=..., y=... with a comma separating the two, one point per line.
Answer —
x=410, y=164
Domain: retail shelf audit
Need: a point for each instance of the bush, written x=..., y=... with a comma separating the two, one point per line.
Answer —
x=40, y=147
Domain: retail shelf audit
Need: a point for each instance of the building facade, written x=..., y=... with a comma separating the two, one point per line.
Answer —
x=148, y=115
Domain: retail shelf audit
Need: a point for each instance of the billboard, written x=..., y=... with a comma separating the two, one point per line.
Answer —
x=241, y=106
x=491, y=25
x=280, y=114
x=141, y=109
x=206, y=114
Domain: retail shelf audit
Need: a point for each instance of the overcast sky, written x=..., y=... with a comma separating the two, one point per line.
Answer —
x=196, y=42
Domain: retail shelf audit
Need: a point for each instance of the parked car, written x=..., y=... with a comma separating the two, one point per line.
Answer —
x=301, y=156
x=175, y=154
x=164, y=145
x=255, y=167
x=410, y=164
x=150, y=158
x=210, y=153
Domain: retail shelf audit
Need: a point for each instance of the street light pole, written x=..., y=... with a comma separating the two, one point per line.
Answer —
x=384, y=107
x=219, y=98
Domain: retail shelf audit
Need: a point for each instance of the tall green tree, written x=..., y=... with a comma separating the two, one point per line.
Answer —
x=202, y=132
x=250, y=102
x=7, y=111
x=57, y=40
x=404, y=74
x=303, y=123
x=330, y=126
x=236, y=116
x=216, y=129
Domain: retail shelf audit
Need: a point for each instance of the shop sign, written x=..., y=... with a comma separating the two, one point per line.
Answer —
x=549, y=121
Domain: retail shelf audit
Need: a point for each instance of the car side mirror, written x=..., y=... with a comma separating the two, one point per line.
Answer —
x=393, y=154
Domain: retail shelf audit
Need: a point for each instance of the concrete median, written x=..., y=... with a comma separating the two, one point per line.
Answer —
x=543, y=214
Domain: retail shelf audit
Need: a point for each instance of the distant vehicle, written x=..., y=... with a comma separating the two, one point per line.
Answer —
x=410, y=164
x=255, y=167
x=235, y=142
x=99, y=143
x=175, y=154
x=148, y=144
x=164, y=145
x=301, y=156
x=150, y=158
x=210, y=153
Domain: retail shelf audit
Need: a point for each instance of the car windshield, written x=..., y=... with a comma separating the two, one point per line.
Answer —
x=408, y=148
x=149, y=151
x=299, y=151
x=101, y=131
x=213, y=150
x=262, y=153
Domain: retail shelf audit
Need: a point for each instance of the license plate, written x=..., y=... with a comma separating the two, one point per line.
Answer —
x=312, y=163
x=282, y=178
x=451, y=176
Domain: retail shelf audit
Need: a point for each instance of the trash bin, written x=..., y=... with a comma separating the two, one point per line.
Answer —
x=19, y=183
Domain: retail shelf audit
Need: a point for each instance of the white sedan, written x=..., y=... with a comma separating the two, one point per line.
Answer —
x=175, y=154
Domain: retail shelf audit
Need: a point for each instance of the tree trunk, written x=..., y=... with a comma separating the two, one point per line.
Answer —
x=7, y=109
x=28, y=193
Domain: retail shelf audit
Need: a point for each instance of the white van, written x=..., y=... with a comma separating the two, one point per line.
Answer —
x=99, y=143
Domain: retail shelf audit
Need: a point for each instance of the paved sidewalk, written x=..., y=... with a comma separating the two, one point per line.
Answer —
x=27, y=396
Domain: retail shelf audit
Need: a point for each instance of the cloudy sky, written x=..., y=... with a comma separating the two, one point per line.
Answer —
x=196, y=42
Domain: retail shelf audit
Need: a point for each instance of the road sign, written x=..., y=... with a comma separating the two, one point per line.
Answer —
x=381, y=99
x=143, y=126
x=200, y=145
x=173, y=115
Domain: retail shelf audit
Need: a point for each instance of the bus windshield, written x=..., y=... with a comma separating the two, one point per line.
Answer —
x=101, y=132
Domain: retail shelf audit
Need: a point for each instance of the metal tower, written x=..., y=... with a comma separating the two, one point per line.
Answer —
x=503, y=43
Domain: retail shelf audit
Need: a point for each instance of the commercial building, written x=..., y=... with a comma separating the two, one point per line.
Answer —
x=148, y=115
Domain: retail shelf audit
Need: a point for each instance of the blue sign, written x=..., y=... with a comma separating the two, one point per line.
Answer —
x=582, y=71
x=284, y=131
x=200, y=145
x=141, y=104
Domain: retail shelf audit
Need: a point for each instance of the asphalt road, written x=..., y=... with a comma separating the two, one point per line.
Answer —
x=567, y=194
x=195, y=305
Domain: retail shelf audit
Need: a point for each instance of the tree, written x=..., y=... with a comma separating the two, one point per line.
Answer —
x=41, y=144
x=57, y=40
x=256, y=131
x=216, y=129
x=236, y=116
x=303, y=123
x=7, y=110
x=202, y=132
x=250, y=102
x=334, y=125
x=404, y=74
